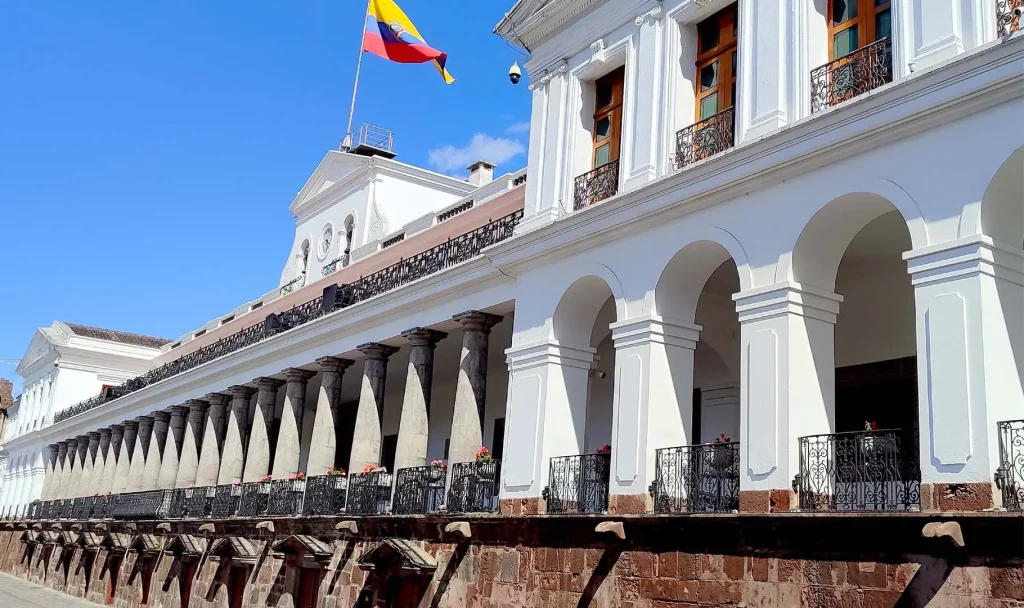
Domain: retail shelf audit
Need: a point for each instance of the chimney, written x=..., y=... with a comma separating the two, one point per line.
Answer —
x=481, y=173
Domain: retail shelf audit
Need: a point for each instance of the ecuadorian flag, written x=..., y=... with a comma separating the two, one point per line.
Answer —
x=391, y=35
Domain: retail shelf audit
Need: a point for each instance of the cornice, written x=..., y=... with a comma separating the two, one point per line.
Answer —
x=544, y=21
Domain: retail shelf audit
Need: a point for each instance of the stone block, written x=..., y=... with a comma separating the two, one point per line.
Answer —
x=719, y=592
x=668, y=565
x=757, y=569
x=732, y=567
x=1006, y=583
x=869, y=575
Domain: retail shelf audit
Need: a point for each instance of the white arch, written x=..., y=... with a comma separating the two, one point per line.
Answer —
x=576, y=312
x=682, y=280
x=1001, y=212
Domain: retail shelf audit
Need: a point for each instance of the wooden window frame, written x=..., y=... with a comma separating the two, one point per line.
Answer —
x=865, y=22
x=612, y=110
x=723, y=54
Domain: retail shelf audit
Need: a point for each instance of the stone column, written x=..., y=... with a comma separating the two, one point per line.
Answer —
x=137, y=470
x=154, y=461
x=110, y=465
x=172, y=447
x=99, y=465
x=289, y=437
x=188, y=464
x=367, y=436
x=257, y=460
x=414, y=427
x=57, y=490
x=50, y=454
x=88, y=465
x=324, y=441
x=471, y=388
x=77, y=470
x=213, y=440
x=232, y=463
x=124, y=458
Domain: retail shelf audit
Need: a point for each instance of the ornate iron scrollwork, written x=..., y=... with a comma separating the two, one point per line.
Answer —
x=419, y=490
x=697, y=479
x=369, y=493
x=595, y=186
x=867, y=68
x=1010, y=475
x=578, y=484
x=705, y=138
x=474, y=487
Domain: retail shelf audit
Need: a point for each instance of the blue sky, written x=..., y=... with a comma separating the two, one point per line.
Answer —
x=149, y=150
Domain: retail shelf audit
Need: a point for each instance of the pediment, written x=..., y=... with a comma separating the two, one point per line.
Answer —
x=186, y=544
x=332, y=170
x=398, y=555
x=43, y=342
x=238, y=548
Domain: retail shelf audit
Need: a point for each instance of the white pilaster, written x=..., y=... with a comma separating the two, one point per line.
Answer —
x=928, y=32
x=644, y=130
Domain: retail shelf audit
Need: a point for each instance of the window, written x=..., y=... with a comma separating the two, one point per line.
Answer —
x=608, y=117
x=857, y=23
x=716, y=63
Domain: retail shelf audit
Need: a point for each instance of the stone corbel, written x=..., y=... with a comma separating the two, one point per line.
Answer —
x=561, y=68
x=654, y=14
x=597, y=50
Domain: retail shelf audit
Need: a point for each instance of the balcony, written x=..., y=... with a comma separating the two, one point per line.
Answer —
x=706, y=138
x=325, y=495
x=369, y=493
x=593, y=187
x=1010, y=474
x=254, y=499
x=578, y=484
x=286, y=496
x=1007, y=19
x=225, y=500
x=865, y=69
x=701, y=478
x=859, y=471
x=419, y=490
x=474, y=487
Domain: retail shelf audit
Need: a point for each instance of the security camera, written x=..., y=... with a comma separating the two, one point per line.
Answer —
x=514, y=73
x=1018, y=11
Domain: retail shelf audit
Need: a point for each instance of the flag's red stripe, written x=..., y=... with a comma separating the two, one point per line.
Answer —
x=399, y=52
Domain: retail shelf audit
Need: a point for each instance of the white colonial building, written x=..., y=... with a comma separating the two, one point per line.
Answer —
x=769, y=256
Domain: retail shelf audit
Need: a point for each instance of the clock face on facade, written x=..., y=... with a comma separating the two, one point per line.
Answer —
x=325, y=240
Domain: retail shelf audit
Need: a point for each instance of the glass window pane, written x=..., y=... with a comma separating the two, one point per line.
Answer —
x=883, y=25
x=709, y=76
x=709, y=106
x=603, y=128
x=710, y=34
x=843, y=11
x=844, y=42
x=604, y=93
x=602, y=155
x=734, y=64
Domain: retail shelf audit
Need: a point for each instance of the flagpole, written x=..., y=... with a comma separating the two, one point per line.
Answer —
x=346, y=144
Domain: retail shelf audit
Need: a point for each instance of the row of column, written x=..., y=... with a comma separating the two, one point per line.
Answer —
x=210, y=442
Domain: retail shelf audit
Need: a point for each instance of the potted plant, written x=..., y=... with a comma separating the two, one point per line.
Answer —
x=483, y=455
x=298, y=481
x=338, y=475
x=236, y=487
x=264, y=481
x=605, y=449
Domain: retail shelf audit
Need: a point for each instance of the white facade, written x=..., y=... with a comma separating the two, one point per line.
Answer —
x=861, y=264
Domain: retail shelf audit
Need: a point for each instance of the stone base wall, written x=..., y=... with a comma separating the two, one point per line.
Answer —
x=57, y=568
x=764, y=561
x=103, y=573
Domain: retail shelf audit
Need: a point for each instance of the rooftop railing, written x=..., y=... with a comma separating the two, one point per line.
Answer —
x=454, y=251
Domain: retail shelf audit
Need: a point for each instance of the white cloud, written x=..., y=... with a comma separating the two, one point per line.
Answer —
x=519, y=127
x=497, y=150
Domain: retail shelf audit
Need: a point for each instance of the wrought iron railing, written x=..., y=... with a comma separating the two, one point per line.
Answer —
x=705, y=138
x=859, y=471
x=286, y=497
x=453, y=251
x=369, y=493
x=225, y=500
x=199, y=503
x=1010, y=474
x=254, y=499
x=578, y=484
x=418, y=490
x=867, y=68
x=697, y=478
x=83, y=508
x=67, y=508
x=595, y=186
x=177, y=504
x=474, y=487
x=143, y=505
x=34, y=509
x=1008, y=16
x=325, y=495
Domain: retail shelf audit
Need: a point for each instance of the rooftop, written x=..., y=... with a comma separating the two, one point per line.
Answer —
x=112, y=335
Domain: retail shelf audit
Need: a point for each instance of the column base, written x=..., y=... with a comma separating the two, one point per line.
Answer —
x=630, y=504
x=519, y=506
x=768, y=501
x=957, y=496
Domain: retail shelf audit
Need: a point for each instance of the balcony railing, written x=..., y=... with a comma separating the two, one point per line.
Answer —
x=142, y=505
x=333, y=266
x=1007, y=19
x=254, y=499
x=1010, y=474
x=453, y=251
x=286, y=496
x=200, y=502
x=706, y=138
x=474, y=487
x=578, y=484
x=595, y=186
x=369, y=493
x=225, y=500
x=865, y=69
x=697, y=479
x=325, y=495
x=419, y=490
x=859, y=471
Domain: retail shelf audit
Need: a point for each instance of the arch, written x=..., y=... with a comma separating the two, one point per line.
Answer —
x=580, y=304
x=852, y=204
x=682, y=281
x=1002, y=205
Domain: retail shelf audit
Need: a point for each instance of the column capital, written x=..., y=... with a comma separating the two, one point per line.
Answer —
x=104, y=432
x=93, y=436
x=62, y=444
x=146, y=420
x=130, y=425
x=116, y=428
x=83, y=438
x=973, y=255
x=334, y=364
x=474, y=320
x=787, y=298
x=375, y=350
x=53, y=446
x=241, y=391
x=217, y=398
x=549, y=352
x=160, y=416
x=421, y=336
x=267, y=383
x=297, y=374
x=656, y=329
x=196, y=404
